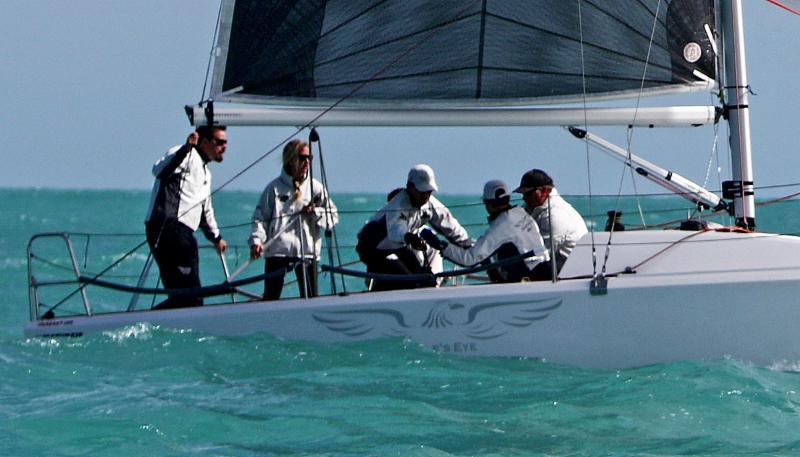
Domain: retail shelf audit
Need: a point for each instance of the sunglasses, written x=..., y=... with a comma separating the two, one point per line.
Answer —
x=305, y=158
x=219, y=141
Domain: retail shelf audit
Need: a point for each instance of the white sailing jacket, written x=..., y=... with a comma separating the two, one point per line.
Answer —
x=387, y=228
x=276, y=210
x=514, y=229
x=567, y=224
x=182, y=191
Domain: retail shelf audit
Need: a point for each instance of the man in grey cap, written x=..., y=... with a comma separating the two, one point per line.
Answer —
x=511, y=233
x=558, y=221
x=390, y=243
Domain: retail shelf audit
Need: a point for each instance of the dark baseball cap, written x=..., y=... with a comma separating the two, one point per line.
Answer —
x=533, y=179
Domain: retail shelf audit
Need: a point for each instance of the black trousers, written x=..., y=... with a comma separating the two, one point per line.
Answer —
x=406, y=263
x=276, y=267
x=175, y=249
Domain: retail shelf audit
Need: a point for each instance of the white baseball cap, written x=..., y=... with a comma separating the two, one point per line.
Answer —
x=421, y=176
x=495, y=190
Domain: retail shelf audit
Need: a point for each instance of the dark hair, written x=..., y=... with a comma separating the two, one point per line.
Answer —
x=394, y=192
x=206, y=132
x=502, y=201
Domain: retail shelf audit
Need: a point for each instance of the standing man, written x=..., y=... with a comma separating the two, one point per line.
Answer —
x=511, y=233
x=179, y=204
x=551, y=212
x=389, y=243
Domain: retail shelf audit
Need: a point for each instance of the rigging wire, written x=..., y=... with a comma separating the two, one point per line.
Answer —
x=328, y=214
x=586, y=143
x=629, y=136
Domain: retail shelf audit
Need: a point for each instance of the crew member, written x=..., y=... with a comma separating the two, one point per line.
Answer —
x=389, y=243
x=180, y=203
x=511, y=233
x=559, y=223
x=287, y=221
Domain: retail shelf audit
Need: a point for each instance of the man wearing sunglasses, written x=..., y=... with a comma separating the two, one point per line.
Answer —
x=558, y=221
x=180, y=203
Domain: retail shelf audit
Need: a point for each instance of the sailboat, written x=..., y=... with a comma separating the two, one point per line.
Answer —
x=660, y=296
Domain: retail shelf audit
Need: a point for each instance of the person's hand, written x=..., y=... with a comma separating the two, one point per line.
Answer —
x=192, y=139
x=433, y=240
x=256, y=250
x=309, y=208
x=221, y=245
x=413, y=240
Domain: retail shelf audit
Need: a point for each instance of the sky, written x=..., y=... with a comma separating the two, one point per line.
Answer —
x=94, y=94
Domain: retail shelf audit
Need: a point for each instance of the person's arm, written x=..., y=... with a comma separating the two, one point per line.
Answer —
x=208, y=224
x=483, y=249
x=326, y=212
x=167, y=165
x=445, y=223
x=397, y=224
x=262, y=215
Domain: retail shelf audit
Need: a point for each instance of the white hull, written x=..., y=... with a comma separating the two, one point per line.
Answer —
x=719, y=307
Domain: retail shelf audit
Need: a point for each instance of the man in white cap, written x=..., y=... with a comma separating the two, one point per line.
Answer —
x=557, y=219
x=511, y=233
x=390, y=244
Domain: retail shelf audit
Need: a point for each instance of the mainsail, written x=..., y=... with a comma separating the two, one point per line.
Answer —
x=476, y=53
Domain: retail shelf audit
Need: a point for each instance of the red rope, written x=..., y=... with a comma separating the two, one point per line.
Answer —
x=778, y=4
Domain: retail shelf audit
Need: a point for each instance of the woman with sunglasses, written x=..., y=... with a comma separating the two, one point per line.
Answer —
x=287, y=221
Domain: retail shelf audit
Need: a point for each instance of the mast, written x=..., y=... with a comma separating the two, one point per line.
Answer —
x=737, y=95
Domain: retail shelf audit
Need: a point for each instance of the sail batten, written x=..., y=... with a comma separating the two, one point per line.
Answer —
x=460, y=53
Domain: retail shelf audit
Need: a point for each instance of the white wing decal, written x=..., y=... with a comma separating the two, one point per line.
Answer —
x=387, y=322
x=492, y=320
x=479, y=322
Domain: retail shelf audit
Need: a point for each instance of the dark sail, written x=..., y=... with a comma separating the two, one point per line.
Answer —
x=461, y=52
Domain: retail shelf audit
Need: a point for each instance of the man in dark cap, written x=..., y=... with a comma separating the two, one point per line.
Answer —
x=559, y=223
x=511, y=233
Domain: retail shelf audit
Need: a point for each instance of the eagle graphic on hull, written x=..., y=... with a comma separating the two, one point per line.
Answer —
x=484, y=321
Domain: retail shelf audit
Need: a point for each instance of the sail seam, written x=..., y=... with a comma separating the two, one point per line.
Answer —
x=351, y=19
x=510, y=70
x=481, y=41
x=398, y=39
x=567, y=37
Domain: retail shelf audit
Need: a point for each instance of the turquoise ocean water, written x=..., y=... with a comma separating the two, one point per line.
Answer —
x=157, y=391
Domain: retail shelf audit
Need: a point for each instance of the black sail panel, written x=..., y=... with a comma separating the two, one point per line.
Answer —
x=464, y=52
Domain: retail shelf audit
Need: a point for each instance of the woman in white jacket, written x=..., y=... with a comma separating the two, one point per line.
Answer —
x=287, y=222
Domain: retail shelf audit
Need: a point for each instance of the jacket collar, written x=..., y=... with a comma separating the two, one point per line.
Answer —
x=494, y=216
x=289, y=180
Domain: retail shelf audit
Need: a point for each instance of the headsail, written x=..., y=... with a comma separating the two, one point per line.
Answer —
x=425, y=53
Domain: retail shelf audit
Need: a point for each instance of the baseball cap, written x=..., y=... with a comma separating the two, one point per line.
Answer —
x=421, y=176
x=495, y=190
x=533, y=179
